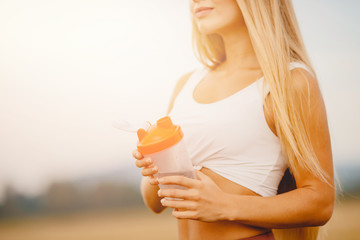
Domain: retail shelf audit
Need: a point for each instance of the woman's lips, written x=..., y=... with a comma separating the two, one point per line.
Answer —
x=199, y=12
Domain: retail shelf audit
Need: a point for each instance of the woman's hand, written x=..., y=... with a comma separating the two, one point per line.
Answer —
x=147, y=165
x=202, y=200
x=149, y=185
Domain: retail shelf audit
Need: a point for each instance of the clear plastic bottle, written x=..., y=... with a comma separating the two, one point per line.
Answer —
x=164, y=144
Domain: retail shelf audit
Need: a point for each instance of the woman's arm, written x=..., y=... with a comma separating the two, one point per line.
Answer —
x=149, y=187
x=150, y=196
x=310, y=204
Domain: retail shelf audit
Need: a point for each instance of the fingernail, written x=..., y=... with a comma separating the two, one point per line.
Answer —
x=148, y=160
x=163, y=201
x=154, y=168
x=137, y=154
x=159, y=193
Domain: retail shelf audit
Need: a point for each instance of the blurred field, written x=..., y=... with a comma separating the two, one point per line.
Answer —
x=142, y=224
x=109, y=225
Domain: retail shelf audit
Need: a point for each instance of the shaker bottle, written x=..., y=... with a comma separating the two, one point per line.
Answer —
x=164, y=144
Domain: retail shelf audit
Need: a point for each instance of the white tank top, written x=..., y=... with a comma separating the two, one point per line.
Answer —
x=231, y=136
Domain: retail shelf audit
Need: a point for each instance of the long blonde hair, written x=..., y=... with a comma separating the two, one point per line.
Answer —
x=276, y=39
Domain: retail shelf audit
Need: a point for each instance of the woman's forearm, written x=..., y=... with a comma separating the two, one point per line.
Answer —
x=150, y=196
x=298, y=208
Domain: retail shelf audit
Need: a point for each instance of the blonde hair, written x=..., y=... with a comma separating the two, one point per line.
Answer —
x=276, y=39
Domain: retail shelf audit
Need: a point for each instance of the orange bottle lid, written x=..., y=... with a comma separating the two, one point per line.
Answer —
x=159, y=137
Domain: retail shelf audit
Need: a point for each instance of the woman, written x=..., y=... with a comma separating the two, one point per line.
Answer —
x=252, y=112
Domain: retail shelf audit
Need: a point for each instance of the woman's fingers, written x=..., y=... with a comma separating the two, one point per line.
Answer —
x=136, y=154
x=153, y=181
x=184, y=214
x=145, y=162
x=147, y=165
x=149, y=171
x=179, y=204
x=148, y=168
x=180, y=180
x=189, y=194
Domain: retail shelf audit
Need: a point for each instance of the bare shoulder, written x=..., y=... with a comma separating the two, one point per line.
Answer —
x=308, y=98
x=307, y=89
x=179, y=85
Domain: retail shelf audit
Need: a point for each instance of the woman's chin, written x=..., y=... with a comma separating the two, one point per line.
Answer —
x=204, y=29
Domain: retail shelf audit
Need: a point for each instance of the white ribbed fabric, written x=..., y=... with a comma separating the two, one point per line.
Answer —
x=231, y=136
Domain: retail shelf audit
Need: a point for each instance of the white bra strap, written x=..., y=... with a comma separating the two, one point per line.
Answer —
x=293, y=65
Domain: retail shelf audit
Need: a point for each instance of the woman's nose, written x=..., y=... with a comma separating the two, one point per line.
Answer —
x=195, y=1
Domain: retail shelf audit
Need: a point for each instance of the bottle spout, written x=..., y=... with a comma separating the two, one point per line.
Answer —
x=141, y=133
x=128, y=127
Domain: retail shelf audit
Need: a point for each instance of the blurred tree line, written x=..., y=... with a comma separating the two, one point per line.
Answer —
x=66, y=197
x=118, y=189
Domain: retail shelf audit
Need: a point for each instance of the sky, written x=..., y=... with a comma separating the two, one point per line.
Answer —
x=69, y=68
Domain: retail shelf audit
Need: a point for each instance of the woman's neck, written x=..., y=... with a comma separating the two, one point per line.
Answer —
x=239, y=51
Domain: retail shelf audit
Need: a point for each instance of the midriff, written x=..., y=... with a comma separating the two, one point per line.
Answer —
x=224, y=230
